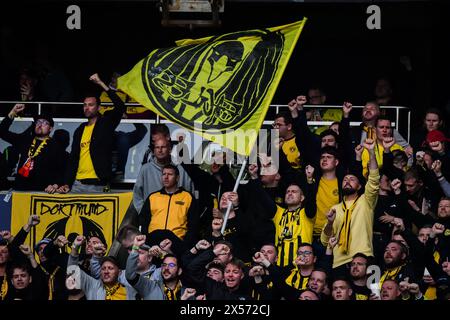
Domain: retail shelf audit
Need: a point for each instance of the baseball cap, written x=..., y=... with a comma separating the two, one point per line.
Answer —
x=45, y=116
x=436, y=135
x=43, y=241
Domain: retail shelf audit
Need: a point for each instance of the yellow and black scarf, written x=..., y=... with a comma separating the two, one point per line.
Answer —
x=4, y=288
x=116, y=292
x=51, y=281
x=390, y=274
x=172, y=294
x=344, y=233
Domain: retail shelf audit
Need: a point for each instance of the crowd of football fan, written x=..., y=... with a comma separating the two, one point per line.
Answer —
x=346, y=213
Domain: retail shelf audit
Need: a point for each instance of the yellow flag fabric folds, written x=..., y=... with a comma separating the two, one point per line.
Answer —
x=64, y=214
x=219, y=87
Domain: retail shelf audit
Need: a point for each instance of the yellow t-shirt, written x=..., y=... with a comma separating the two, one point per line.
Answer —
x=292, y=153
x=378, y=154
x=327, y=196
x=85, y=167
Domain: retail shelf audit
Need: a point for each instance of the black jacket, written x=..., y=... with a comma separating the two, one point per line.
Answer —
x=48, y=166
x=102, y=143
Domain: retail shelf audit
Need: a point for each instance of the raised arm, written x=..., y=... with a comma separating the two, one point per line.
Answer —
x=257, y=192
x=115, y=114
x=373, y=183
x=310, y=193
x=7, y=135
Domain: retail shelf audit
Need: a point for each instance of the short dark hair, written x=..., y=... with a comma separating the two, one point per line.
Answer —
x=172, y=167
x=360, y=255
x=312, y=291
x=330, y=150
x=95, y=96
x=216, y=265
x=322, y=270
x=111, y=259
x=434, y=111
x=227, y=243
x=237, y=262
x=329, y=132
x=383, y=118
x=413, y=173
x=286, y=116
x=342, y=278
x=20, y=266
x=306, y=244
x=160, y=128
x=126, y=231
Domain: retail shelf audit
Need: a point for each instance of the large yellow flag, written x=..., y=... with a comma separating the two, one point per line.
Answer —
x=219, y=87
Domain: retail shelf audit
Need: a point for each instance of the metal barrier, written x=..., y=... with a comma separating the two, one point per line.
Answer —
x=136, y=152
x=277, y=108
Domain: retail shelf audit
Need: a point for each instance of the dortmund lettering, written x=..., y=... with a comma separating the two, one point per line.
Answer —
x=70, y=209
x=219, y=83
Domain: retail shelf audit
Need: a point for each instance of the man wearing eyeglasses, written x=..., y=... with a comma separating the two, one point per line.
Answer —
x=167, y=287
x=284, y=124
x=40, y=162
x=291, y=280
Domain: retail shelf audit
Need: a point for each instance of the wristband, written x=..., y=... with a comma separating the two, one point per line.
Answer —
x=439, y=177
x=135, y=248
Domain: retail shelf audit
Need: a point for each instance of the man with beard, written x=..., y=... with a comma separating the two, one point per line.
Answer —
x=41, y=157
x=171, y=272
x=90, y=165
x=396, y=264
x=351, y=221
x=358, y=273
x=165, y=285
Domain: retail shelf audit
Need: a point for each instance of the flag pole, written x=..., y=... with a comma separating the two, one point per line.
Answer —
x=236, y=185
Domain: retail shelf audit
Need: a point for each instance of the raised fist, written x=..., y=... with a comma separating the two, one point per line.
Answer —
x=139, y=240
x=346, y=108
x=79, y=240
x=331, y=215
x=34, y=220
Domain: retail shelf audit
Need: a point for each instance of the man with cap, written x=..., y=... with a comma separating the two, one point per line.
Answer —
x=41, y=157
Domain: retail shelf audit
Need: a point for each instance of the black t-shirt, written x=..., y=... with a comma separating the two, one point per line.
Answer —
x=361, y=292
